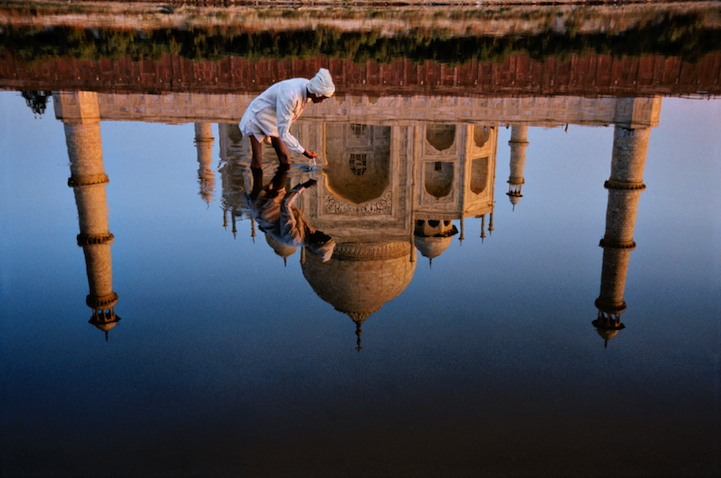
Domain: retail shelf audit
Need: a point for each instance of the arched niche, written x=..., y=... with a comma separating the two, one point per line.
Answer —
x=441, y=136
x=481, y=135
x=439, y=178
x=479, y=174
x=359, y=160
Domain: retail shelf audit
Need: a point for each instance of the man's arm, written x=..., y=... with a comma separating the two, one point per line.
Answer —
x=286, y=109
x=294, y=193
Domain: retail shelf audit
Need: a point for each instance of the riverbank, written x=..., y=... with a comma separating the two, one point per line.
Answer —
x=495, y=18
x=669, y=49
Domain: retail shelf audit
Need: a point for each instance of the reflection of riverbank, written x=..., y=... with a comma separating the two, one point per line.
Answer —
x=495, y=18
x=589, y=51
x=454, y=39
x=591, y=75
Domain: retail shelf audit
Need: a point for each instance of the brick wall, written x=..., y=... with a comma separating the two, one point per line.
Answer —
x=590, y=75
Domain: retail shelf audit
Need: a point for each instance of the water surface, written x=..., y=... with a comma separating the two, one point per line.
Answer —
x=469, y=323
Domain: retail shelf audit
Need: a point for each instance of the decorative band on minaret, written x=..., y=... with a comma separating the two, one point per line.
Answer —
x=79, y=112
x=518, y=144
x=625, y=185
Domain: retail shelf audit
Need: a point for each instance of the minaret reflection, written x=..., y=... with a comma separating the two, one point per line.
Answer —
x=630, y=146
x=234, y=174
x=518, y=144
x=80, y=114
x=204, y=144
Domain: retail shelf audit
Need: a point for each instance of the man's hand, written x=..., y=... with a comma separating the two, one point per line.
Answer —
x=309, y=184
x=310, y=154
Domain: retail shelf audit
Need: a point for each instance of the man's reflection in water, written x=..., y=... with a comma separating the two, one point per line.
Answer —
x=275, y=213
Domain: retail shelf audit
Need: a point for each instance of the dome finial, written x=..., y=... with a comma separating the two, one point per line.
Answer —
x=358, y=333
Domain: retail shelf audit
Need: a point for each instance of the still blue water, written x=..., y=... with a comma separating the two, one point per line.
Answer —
x=226, y=362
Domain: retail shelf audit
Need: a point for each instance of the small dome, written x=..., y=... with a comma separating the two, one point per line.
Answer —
x=104, y=320
x=514, y=199
x=606, y=330
x=607, y=334
x=106, y=326
x=431, y=247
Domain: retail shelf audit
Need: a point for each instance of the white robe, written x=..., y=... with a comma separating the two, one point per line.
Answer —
x=279, y=216
x=272, y=113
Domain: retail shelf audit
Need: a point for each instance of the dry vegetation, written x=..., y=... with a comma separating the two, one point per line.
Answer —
x=494, y=18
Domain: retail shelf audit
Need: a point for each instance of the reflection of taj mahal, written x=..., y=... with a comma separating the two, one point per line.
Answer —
x=385, y=190
x=395, y=173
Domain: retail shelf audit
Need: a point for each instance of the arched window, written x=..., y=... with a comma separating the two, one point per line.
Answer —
x=439, y=178
x=481, y=134
x=479, y=175
x=441, y=136
x=357, y=163
x=359, y=160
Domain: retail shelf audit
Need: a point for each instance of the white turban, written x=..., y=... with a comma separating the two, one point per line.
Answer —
x=322, y=84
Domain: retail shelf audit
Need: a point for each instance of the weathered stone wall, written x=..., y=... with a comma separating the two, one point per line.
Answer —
x=387, y=110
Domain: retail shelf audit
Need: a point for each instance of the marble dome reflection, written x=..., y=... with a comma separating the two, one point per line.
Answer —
x=361, y=277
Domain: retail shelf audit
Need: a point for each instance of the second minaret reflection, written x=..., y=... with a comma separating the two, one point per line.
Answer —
x=204, y=143
x=518, y=144
x=630, y=146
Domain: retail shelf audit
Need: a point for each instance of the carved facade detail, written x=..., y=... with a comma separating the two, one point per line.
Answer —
x=371, y=252
x=382, y=205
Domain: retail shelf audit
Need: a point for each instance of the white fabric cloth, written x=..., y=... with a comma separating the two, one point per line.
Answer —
x=322, y=83
x=293, y=229
x=272, y=113
x=279, y=217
